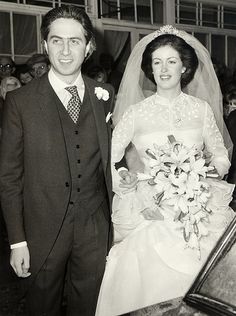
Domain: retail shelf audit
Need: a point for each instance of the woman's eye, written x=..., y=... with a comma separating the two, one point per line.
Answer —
x=172, y=61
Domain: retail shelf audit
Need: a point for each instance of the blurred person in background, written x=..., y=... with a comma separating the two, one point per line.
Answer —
x=9, y=84
x=7, y=67
x=23, y=74
x=230, y=120
x=38, y=65
x=114, y=76
x=97, y=73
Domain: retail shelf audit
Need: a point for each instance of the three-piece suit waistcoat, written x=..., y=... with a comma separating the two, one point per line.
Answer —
x=87, y=178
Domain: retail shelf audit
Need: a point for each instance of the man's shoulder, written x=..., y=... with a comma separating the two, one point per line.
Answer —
x=30, y=89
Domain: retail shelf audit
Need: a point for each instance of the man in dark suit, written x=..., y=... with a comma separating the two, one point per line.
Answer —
x=55, y=172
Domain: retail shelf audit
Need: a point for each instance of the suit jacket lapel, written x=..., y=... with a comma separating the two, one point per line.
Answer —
x=99, y=114
x=47, y=100
x=47, y=104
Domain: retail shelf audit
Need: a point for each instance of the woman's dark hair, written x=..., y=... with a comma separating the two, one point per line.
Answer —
x=187, y=55
x=69, y=12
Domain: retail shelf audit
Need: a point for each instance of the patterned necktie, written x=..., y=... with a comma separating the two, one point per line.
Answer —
x=74, y=104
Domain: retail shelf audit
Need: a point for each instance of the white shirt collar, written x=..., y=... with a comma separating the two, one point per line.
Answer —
x=58, y=85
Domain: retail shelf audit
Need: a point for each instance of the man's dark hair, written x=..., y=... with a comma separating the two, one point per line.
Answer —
x=187, y=55
x=69, y=12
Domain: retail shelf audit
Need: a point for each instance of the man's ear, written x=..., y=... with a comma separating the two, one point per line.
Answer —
x=87, y=49
x=45, y=46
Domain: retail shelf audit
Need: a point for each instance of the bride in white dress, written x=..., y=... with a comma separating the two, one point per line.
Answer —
x=151, y=261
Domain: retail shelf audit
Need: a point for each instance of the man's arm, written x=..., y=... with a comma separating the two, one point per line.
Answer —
x=11, y=185
x=12, y=171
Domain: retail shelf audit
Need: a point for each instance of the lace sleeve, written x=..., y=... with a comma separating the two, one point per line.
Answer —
x=214, y=143
x=122, y=135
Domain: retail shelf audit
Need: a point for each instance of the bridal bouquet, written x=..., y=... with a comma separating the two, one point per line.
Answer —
x=179, y=174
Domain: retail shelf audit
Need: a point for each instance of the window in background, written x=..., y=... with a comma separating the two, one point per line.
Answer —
x=53, y=3
x=210, y=15
x=229, y=18
x=108, y=9
x=75, y=2
x=41, y=3
x=205, y=14
x=216, y=53
x=231, y=52
x=138, y=11
x=202, y=37
x=158, y=12
x=25, y=34
x=18, y=35
x=143, y=11
x=186, y=12
x=5, y=33
x=127, y=11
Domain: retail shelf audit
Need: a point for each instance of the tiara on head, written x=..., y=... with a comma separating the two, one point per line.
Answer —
x=168, y=29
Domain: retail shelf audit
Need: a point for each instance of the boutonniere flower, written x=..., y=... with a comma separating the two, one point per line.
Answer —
x=101, y=93
x=109, y=115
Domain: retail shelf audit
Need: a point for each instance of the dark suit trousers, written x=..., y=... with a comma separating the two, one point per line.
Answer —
x=81, y=246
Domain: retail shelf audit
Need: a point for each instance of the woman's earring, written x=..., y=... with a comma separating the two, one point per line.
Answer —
x=183, y=70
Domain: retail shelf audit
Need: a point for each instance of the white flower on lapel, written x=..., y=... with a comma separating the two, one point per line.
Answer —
x=101, y=93
x=109, y=115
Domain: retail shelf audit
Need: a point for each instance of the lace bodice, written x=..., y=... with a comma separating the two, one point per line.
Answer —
x=189, y=119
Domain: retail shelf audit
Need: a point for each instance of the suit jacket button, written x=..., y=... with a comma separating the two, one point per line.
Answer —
x=78, y=190
x=67, y=184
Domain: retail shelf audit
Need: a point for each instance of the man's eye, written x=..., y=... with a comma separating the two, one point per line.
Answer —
x=57, y=41
x=74, y=41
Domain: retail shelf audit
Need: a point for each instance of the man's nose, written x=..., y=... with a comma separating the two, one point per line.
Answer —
x=66, y=47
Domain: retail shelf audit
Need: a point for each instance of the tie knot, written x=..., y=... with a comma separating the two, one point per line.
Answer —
x=73, y=90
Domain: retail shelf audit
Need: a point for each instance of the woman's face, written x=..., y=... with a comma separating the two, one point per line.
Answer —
x=167, y=68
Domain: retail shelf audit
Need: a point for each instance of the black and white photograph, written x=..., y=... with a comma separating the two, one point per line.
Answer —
x=117, y=158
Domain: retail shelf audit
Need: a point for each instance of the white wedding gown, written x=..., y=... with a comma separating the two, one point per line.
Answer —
x=149, y=262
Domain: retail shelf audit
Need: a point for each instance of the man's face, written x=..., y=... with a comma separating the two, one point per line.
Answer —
x=6, y=67
x=39, y=69
x=66, y=48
